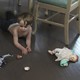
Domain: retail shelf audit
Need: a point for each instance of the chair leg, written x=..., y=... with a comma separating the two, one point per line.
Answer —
x=30, y=6
x=46, y=12
x=78, y=21
x=66, y=28
x=35, y=17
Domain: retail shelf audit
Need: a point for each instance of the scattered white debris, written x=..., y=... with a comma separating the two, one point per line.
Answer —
x=26, y=68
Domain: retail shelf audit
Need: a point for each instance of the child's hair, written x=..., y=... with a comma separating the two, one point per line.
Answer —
x=26, y=17
x=77, y=58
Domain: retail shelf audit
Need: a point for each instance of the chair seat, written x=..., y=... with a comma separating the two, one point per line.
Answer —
x=60, y=3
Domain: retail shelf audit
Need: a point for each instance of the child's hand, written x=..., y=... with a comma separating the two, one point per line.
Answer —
x=24, y=51
x=28, y=49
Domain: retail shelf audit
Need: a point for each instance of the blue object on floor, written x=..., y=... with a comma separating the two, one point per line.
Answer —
x=64, y=62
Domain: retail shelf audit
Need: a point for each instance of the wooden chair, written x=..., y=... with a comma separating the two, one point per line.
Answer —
x=60, y=6
x=30, y=5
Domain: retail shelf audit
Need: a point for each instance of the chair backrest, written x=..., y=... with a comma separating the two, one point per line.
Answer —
x=59, y=5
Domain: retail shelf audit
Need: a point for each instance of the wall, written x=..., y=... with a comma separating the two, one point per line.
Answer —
x=13, y=5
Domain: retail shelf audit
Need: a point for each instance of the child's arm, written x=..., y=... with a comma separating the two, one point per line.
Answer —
x=28, y=38
x=17, y=44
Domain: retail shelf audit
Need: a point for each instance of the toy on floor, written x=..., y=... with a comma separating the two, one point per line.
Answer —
x=19, y=56
x=64, y=62
x=64, y=55
x=2, y=59
x=26, y=68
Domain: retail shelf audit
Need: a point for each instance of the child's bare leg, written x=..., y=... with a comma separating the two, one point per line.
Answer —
x=28, y=39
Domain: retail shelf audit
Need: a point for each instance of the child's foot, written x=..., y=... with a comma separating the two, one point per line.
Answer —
x=19, y=56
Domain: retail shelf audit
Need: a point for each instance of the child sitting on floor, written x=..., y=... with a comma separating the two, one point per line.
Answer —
x=19, y=27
